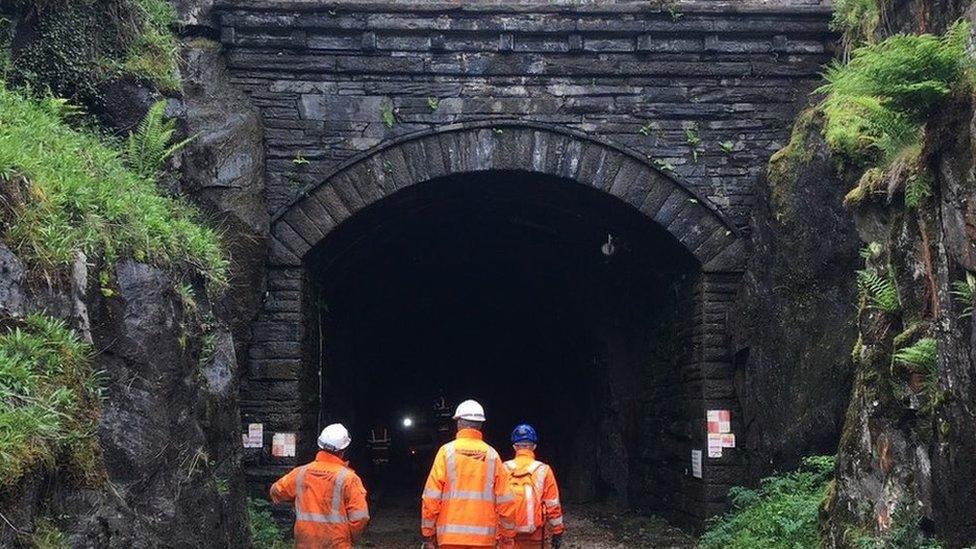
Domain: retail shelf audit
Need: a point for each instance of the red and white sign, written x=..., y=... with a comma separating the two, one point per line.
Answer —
x=719, y=421
x=283, y=445
x=728, y=440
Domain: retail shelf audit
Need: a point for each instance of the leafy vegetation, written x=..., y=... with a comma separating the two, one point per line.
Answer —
x=80, y=45
x=76, y=194
x=265, y=533
x=49, y=400
x=781, y=513
x=153, y=50
x=6, y=37
x=389, y=116
x=46, y=535
x=856, y=20
x=907, y=535
x=963, y=291
x=152, y=143
x=880, y=291
x=921, y=355
x=876, y=103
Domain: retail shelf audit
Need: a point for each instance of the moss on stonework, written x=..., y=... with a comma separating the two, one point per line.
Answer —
x=785, y=165
x=908, y=334
x=78, y=45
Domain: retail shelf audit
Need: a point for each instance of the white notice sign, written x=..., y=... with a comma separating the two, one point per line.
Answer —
x=283, y=445
x=255, y=436
x=714, y=445
x=696, y=463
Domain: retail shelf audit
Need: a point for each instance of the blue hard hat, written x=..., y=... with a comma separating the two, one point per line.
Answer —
x=524, y=433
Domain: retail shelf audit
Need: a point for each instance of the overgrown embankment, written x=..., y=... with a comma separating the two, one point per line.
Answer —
x=886, y=156
x=118, y=413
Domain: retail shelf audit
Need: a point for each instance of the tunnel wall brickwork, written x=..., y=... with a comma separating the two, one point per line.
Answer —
x=362, y=99
x=334, y=79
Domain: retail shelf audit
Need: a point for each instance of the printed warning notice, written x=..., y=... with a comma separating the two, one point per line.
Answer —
x=728, y=440
x=254, y=438
x=283, y=445
x=719, y=421
x=714, y=445
x=696, y=463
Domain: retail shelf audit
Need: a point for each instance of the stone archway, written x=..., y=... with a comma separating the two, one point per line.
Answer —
x=282, y=386
x=515, y=146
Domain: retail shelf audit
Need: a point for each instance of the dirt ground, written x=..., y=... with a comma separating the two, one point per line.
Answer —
x=395, y=524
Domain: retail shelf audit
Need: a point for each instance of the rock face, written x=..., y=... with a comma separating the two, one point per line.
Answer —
x=170, y=445
x=792, y=347
x=223, y=171
x=904, y=459
x=905, y=454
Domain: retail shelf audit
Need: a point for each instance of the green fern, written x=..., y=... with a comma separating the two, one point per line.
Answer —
x=872, y=251
x=922, y=354
x=917, y=189
x=389, y=116
x=151, y=144
x=963, y=291
x=882, y=292
x=877, y=102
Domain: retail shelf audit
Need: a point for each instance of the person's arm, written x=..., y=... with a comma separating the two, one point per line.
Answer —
x=550, y=501
x=504, y=503
x=284, y=489
x=357, y=510
x=433, y=489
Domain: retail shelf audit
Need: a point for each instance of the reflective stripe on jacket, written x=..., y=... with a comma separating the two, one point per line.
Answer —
x=542, y=505
x=330, y=502
x=466, y=500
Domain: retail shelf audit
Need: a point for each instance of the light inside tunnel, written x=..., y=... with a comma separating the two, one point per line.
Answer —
x=505, y=287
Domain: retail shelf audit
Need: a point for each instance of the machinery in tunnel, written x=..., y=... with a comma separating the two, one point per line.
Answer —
x=549, y=301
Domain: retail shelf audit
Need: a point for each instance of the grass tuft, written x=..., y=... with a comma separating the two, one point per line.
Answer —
x=49, y=400
x=153, y=52
x=856, y=20
x=76, y=194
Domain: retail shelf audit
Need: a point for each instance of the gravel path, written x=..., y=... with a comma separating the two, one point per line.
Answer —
x=394, y=525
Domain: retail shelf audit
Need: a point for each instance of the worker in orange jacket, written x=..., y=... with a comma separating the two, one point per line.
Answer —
x=330, y=501
x=466, y=501
x=536, y=493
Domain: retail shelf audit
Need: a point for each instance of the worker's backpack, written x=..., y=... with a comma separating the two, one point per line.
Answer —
x=526, y=485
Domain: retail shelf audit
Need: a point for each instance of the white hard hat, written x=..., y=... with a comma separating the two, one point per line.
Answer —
x=470, y=410
x=334, y=437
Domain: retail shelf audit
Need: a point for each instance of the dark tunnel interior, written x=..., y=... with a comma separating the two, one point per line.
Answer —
x=500, y=286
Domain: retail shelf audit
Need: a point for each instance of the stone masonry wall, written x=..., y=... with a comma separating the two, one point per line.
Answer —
x=334, y=79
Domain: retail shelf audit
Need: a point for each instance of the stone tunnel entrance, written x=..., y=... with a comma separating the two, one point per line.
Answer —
x=498, y=286
x=474, y=262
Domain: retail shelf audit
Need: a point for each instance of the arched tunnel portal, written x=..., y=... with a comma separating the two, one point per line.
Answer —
x=556, y=278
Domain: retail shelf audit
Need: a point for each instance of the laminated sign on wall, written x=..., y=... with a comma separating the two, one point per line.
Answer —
x=254, y=437
x=696, y=463
x=283, y=445
x=719, y=432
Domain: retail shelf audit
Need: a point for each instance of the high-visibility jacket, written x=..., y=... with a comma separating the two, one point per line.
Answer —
x=466, y=500
x=330, y=503
x=542, y=507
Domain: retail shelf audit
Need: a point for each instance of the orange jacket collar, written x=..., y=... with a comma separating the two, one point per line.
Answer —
x=525, y=452
x=329, y=458
x=470, y=433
